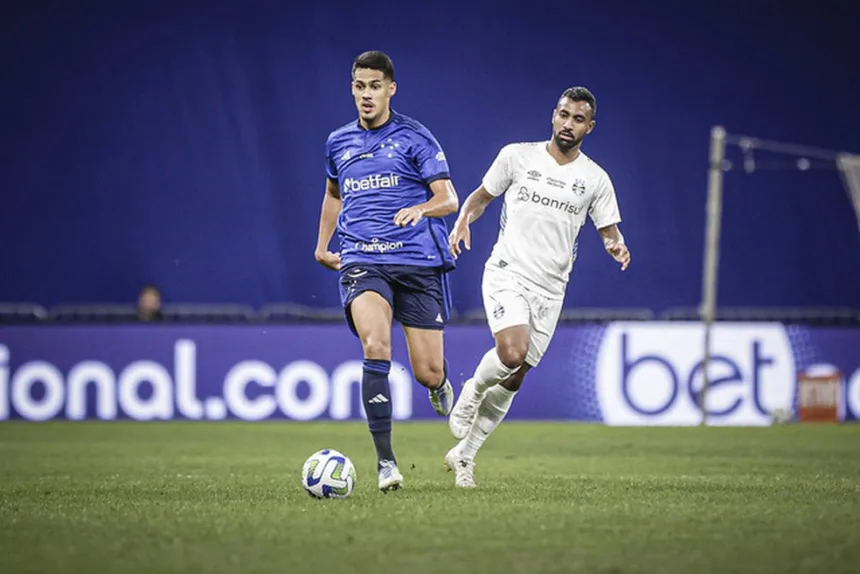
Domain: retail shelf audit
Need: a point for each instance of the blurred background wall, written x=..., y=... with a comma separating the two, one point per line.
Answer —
x=181, y=143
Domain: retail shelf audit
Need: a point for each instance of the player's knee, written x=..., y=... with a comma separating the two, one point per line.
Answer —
x=512, y=353
x=429, y=374
x=376, y=348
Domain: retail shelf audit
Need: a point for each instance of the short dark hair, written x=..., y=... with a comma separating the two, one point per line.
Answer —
x=375, y=60
x=580, y=94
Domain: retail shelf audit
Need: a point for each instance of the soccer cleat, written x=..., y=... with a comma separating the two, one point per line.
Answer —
x=464, y=470
x=389, y=477
x=442, y=398
x=464, y=411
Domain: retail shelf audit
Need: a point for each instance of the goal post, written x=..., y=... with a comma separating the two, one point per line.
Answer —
x=847, y=164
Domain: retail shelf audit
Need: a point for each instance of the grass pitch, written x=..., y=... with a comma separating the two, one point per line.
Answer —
x=226, y=498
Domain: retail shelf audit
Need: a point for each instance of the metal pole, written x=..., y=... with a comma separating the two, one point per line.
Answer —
x=712, y=251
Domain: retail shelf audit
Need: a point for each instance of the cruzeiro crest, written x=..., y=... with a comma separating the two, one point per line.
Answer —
x=579, y=186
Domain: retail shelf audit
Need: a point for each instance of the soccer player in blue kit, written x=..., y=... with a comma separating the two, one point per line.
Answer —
x=387, y=188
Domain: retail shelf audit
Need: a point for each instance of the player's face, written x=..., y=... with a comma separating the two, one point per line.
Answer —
x=372, y=93
x=571, y=122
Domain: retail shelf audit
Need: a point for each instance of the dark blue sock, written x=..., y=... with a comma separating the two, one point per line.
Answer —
x=376, y=396
x=444, y=370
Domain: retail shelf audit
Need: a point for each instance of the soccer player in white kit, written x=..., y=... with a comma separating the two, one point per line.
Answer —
x=549, y=188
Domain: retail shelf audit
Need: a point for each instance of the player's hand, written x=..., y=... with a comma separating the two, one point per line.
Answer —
x=408, y=215
x=460, y=233
x=328, y=259
x=620, y=253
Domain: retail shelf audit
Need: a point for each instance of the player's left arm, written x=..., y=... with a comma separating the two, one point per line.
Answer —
x=444, y=201
x=432, y=164
x=606, y=217
x=613, y=241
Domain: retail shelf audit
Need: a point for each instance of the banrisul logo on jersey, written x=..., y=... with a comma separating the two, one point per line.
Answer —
x=651, y=374
x=353, y=185
x=524, y=194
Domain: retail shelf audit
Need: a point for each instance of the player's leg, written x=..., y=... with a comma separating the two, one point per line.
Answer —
x=367, y=299
x=503, y=360
x=498, y=399
x=421, y=306
x=489, y=413
x=498, y=364
x=509, y=317
x=427, y=358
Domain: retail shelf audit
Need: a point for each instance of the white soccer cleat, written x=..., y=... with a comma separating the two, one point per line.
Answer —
x=442, y=398
x=464, y=411
x=389, y=477
x=464, y=470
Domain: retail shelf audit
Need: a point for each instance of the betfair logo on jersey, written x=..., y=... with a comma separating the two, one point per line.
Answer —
x=351, y=184
x=535, y=197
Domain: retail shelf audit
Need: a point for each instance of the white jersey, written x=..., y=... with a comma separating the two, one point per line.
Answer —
x=544, y=208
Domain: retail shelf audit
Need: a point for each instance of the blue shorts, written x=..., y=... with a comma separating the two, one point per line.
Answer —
x=419, y=296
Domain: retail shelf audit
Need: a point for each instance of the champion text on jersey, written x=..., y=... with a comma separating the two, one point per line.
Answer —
x=377, y=246
x=351, y=184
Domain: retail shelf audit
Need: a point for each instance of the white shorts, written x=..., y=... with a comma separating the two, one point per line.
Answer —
x=508, y=303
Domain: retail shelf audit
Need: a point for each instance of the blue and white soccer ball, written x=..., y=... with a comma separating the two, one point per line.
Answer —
x=328, y=474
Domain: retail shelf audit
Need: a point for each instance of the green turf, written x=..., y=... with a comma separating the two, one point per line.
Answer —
x=224, y=497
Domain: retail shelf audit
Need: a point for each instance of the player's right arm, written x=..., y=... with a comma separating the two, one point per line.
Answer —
x=328, y=223
x=496, y=181
x=472, y=209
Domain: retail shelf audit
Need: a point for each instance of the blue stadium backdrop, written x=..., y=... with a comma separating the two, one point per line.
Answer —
x=181, y=142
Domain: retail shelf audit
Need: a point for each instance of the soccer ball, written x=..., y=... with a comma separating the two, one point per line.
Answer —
x=328, y=474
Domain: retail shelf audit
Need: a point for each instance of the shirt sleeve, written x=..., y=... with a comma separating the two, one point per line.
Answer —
x=330, y=166
x=430, y=158
x=499, y=177
x=604, y=207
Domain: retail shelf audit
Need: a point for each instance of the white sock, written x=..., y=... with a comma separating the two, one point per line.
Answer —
x=491, y=412
x=491, y=371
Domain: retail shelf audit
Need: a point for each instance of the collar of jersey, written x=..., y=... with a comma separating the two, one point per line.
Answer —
x=548, y=155
x=377, y=128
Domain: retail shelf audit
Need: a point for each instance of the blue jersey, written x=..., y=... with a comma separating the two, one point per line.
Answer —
x=379, y=172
